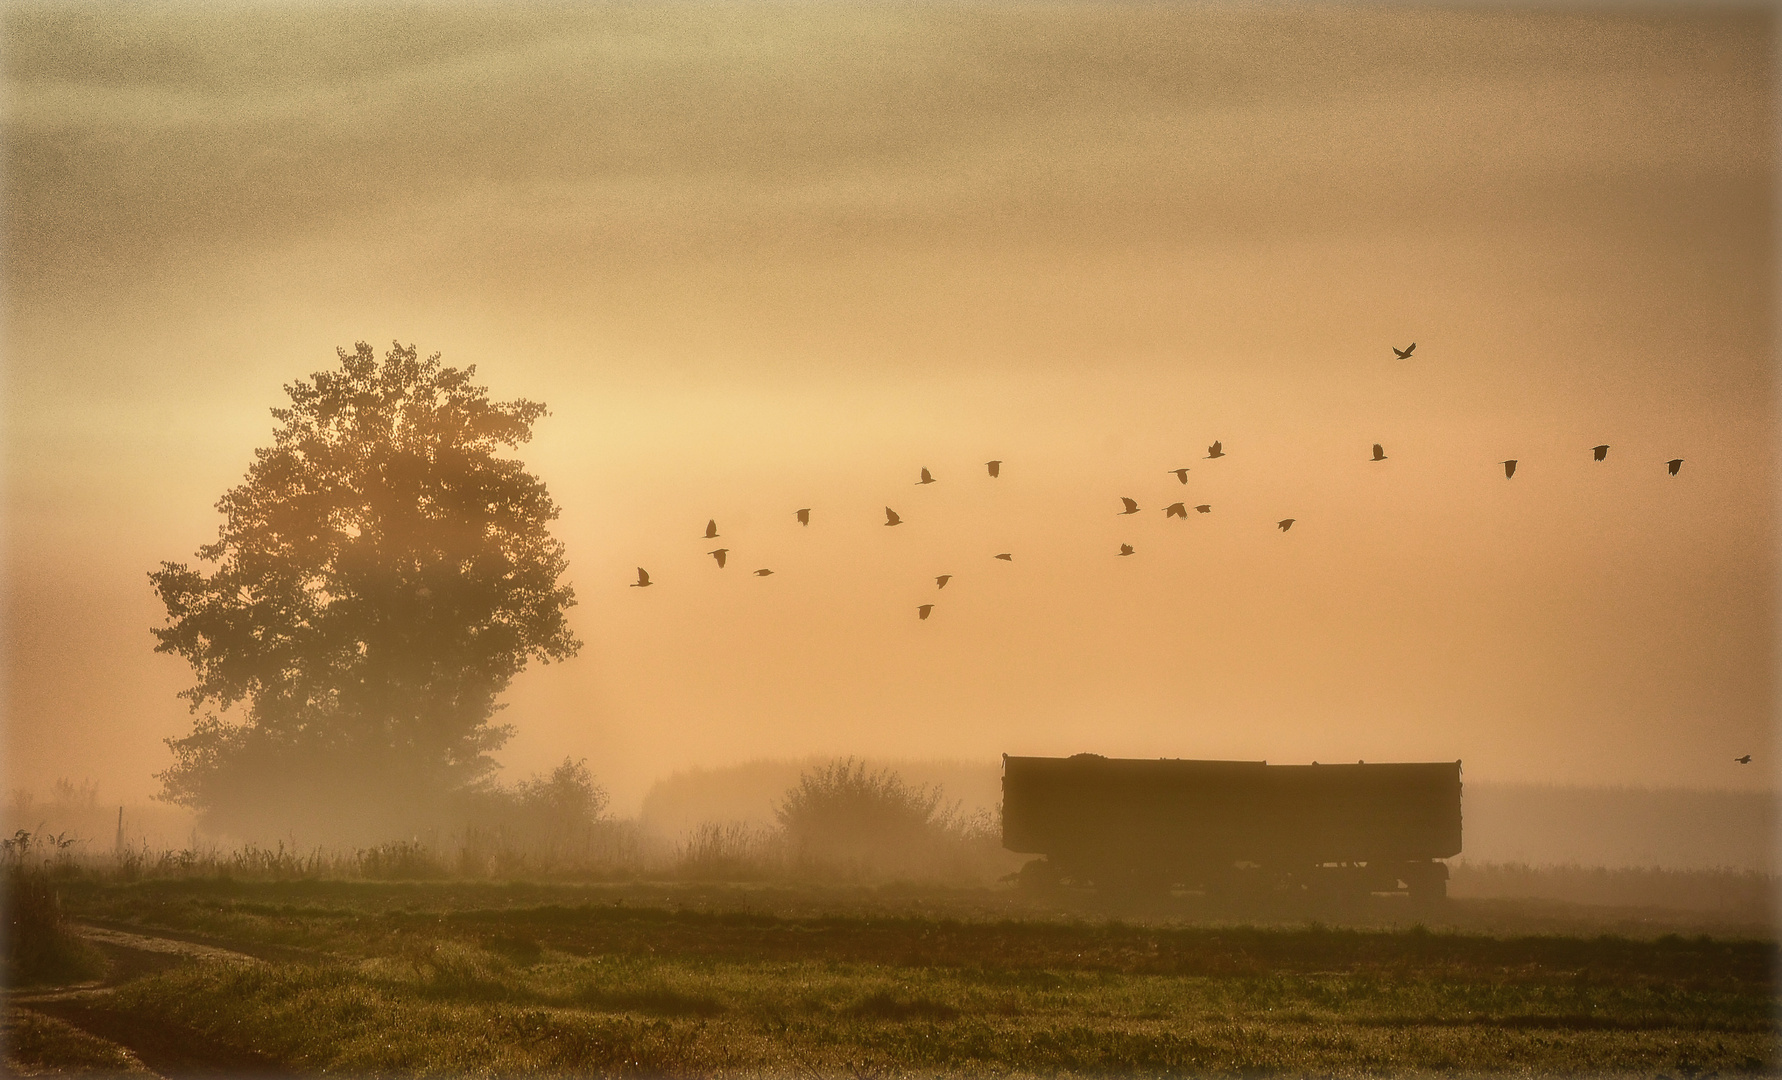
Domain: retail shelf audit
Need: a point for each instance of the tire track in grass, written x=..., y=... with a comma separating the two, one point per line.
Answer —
x=166, y=1049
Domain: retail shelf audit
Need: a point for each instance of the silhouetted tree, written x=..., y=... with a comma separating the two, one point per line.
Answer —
x=381, y=576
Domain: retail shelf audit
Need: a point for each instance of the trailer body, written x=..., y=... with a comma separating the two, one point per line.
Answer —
x=1198, y=822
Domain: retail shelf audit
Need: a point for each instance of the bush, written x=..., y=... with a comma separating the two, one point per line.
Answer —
x=548, y=825
x=565, y=803
x=841, y=816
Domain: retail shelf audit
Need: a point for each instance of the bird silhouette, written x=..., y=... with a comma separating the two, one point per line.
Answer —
x=1379, y=452
x=1405, y=354
x=643, y=579
x=940, y=581
x=995, y=468
x=719, y=555
x=1205, y=508
x=1175, y=510
x=1601, y=452
x=891, y=517
x=927, y=478
x=764, y=573
x=804, y=516
x=1746, y=760
x=1181, y=474
x=1216, y=450
x=922, y=612
x=1131, y=507
x=1675, y=464
x=711, y=529
x=1286, y=523
x=1006, y=557
x=1509, y=468
x=1125, y=549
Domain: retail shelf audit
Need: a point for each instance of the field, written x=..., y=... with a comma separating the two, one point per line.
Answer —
x=481, y=978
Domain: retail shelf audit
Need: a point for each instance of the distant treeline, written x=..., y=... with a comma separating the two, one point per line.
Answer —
x=837, y=820
x=1536, y=824
x=1619, y=827
x=709, y=822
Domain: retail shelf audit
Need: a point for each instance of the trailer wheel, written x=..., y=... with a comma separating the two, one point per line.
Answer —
x=1426, y=882
x=1128, y=883
x=1037, y=875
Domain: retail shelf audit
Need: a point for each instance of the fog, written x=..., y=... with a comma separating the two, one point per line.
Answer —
x=757, y=258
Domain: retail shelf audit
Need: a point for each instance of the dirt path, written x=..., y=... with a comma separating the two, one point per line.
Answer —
x=102, y=936
x=165, y=1049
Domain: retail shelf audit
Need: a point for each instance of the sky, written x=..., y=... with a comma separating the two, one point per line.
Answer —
x=758, y=257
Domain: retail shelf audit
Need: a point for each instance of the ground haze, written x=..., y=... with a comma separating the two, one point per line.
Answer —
x=757, y=259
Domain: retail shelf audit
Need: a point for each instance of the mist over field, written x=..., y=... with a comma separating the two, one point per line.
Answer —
x=762, y=258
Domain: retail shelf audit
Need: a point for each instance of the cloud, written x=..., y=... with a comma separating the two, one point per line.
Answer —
x=131, y=131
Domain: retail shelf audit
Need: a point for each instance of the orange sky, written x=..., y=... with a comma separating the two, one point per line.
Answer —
x=764, y=257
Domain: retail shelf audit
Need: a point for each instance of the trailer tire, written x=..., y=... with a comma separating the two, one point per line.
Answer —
x=1426, y=882
x=1037, y=875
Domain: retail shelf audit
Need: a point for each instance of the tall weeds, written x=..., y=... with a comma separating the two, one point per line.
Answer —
x=730, y=851
x=40, y=948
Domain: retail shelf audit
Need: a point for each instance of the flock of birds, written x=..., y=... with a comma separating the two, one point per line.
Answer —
x=722, y=555
x=892, y=518
x=1129, y=506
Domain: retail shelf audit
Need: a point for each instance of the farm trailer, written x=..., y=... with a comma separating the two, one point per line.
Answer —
x=1228, y=827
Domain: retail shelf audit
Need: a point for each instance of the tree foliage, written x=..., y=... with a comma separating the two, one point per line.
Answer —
x=381, y=576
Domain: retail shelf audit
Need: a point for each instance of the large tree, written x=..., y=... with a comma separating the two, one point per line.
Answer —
x=380, y=577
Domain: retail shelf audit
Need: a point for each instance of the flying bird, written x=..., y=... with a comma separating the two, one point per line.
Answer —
x=927, y=478
x=1175, y=510
x=804, y=516
x=1006, y=557
x=764, y=573
x=940, y=581
x=719, y=555
x=711, y=529
x=643, y=579
x=1181, y=474
x=1125, y=549
x=1131, y=507
x=1379, y=452
x=1746, y=760
x=1601, y=452
x=891, y=517
x=1216, y=450
x=1286, y=523
x=922, y=612
x=1405, y=354
x=1675, y=464
x=1205, y=508
x=995, y=468
x=1509, y=468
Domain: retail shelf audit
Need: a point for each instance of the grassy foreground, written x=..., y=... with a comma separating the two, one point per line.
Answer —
x=376, y=979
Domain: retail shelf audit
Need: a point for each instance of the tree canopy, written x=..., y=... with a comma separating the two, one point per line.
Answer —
x=380, y=577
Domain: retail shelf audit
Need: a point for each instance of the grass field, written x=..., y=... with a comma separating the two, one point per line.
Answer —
x=489, y=979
